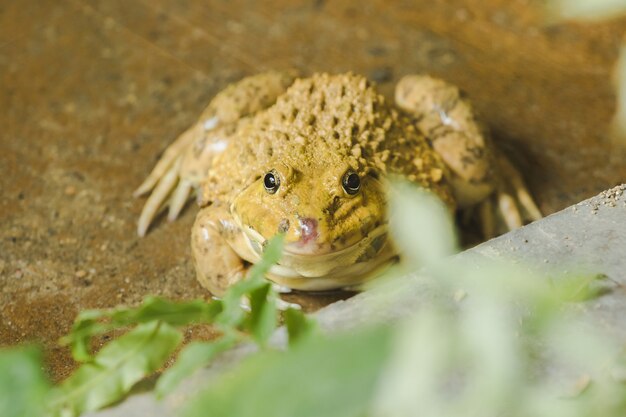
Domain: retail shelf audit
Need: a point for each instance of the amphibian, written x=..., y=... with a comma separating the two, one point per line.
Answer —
x=309, y=157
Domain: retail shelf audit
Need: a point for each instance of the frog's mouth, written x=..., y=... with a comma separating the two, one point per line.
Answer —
x=329, y=270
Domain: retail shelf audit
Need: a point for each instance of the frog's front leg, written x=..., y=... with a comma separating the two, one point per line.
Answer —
x=478, y=170
x=218, y=265
x=182, y=167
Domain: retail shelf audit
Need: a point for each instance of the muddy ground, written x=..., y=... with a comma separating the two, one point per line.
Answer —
x=92, y=92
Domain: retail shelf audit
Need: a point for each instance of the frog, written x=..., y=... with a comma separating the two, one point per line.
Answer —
x=311, y=158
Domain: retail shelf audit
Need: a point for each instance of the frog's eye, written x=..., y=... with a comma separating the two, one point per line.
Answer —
x=271, y=182
x=351, y=182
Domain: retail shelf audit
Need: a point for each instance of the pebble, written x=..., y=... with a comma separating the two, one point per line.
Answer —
x=609, y=198
x=70, y=190
x=68, y=241
x=436, y=174
x=81, y=273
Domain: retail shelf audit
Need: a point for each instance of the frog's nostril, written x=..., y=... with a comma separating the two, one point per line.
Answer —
x=308, y=229
x=283, y=226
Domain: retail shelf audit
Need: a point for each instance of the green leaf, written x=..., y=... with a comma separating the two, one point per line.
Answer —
x=121, y=363
x=23, y=386
x=80, y=336
x=299, y=326
x=232, y=314
x=330, y=377
x=579, y=287
x=421, y=225
x=84, y=328
x=87, y=323
x=193, y=357
x=263, y=317
x=584, y=10
x=115, y=369
x=170, y=312
x=271, y=255
x=260, y=321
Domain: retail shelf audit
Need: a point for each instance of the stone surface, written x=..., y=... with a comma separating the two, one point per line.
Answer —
x=587, y=237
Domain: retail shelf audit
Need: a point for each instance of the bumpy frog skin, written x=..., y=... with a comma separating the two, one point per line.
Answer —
x=309, y=157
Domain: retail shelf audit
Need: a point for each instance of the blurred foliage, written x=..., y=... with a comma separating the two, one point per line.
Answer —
x=619, y=120
x=116, y=368
x=329, y=377
x=490, y=339
x=585, y=9
x=23, y=386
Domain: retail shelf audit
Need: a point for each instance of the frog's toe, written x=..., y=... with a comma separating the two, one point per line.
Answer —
x=503, y=211
x=509, y=211
x=515, y=183
x=510, y=206
x=527, y=202
x=281, y=289
x=170, y=157
x=283, y=305
x=499, y=213
x=179, y=198
x=158, y=197
x=157, y=173
x=512, y=200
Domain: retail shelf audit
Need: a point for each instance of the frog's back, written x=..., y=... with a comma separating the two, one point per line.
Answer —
x=328, y=117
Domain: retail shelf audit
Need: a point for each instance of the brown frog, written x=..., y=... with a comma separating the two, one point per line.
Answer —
x=309, y=157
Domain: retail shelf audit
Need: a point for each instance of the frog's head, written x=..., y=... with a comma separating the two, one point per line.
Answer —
x=331, y=210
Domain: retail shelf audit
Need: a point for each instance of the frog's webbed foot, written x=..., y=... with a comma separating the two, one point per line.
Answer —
x=283, y=305
x=511, y=200
x=217, y=265
x=169, y=186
